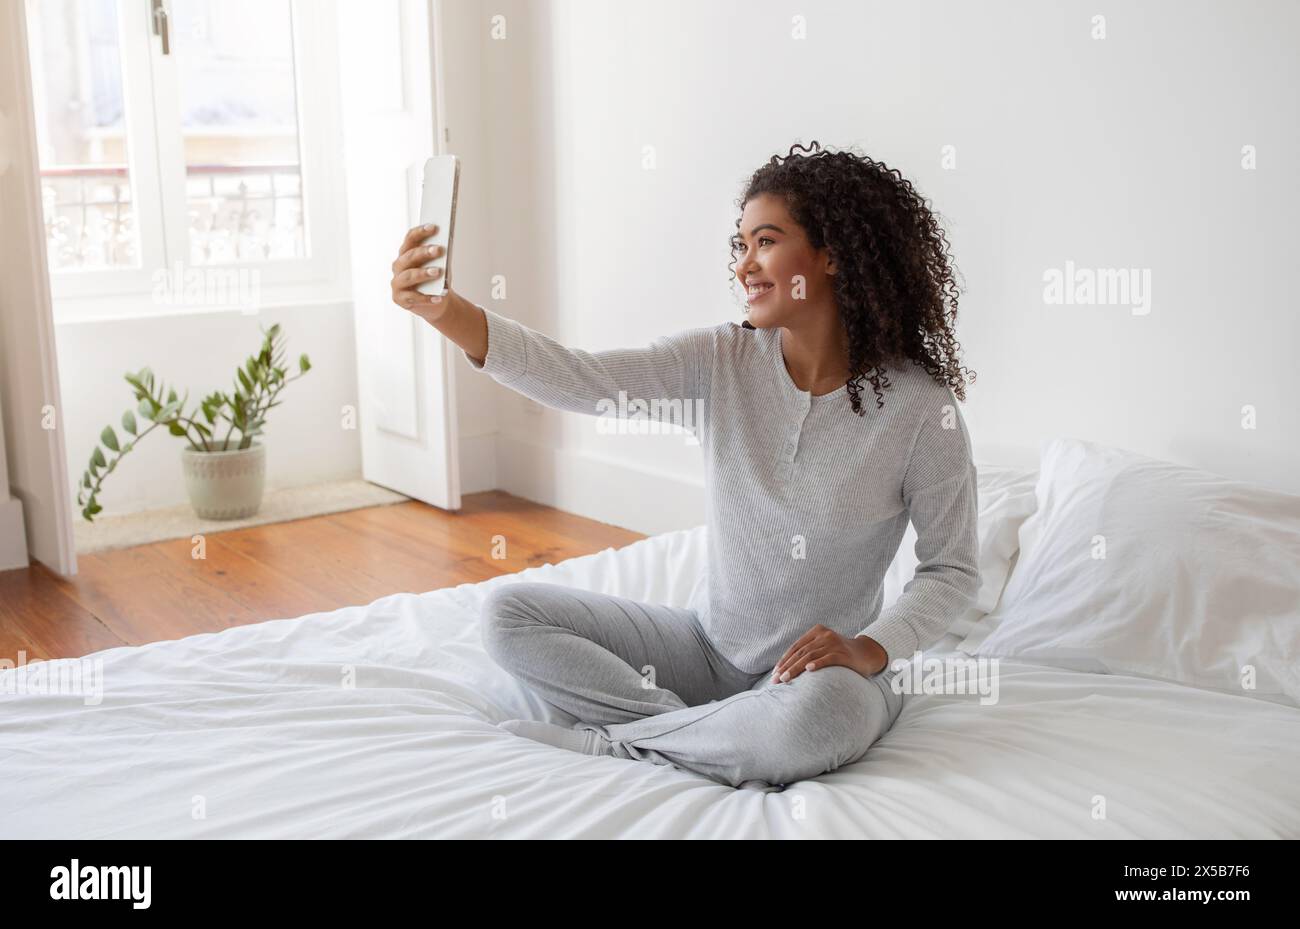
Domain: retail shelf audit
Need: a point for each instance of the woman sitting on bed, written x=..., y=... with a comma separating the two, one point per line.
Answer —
x=779, y=669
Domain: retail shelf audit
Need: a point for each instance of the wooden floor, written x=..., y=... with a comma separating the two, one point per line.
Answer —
x=159, y=591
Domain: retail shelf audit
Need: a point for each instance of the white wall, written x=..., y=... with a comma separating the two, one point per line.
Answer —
x=305, y=436
x=1123, y=152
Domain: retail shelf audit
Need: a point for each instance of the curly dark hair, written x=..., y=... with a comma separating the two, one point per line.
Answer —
x=894, y=280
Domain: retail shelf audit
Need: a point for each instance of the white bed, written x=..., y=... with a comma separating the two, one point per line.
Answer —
x=251, y=732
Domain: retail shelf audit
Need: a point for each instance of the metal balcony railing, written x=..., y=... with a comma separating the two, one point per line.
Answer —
x=248, y=212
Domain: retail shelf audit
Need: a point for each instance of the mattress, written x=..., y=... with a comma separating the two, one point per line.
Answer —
x=379, y=721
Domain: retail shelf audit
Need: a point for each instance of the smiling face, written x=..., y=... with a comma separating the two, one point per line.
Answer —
x=773, y=252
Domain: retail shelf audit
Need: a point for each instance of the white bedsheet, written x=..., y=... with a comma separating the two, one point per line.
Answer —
x=251, y=732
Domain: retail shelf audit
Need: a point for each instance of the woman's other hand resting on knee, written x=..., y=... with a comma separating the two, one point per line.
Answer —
x=820, y=647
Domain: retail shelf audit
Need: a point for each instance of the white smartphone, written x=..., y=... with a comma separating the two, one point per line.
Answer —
x=438, y=206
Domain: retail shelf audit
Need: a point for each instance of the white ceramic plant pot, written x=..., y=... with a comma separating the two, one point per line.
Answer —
x=225, y=484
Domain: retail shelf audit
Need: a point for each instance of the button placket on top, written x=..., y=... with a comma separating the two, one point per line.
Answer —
x=785, y=468
x=800, y=404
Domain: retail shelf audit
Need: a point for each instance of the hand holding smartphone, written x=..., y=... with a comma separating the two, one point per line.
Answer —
x=438, y=206
x=421, y=282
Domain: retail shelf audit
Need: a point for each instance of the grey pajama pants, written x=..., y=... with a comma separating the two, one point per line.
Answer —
x=646, y=677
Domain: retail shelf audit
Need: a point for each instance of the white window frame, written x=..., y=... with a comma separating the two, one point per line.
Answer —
x=155, y=153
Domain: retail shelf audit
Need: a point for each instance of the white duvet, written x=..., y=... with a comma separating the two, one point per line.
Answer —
x=378, y=721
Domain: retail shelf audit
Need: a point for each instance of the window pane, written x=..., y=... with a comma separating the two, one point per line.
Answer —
x=90, y=219
x=239, y=120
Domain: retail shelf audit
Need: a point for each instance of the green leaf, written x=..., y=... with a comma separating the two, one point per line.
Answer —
x=146, y=408
x=109, y=438
x=85, y=480
x=98, y=458
x=147, y=376
x=243, y=379
x=304, y=364
x=203, y=430
x=171, y=396
x=94, y=508
x=128, y=422
x=175, y=428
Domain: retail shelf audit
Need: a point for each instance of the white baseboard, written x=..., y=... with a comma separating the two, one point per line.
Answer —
x=609, y=491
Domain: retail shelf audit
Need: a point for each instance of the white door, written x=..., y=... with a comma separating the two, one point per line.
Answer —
x=388, y=59
x=36, y=498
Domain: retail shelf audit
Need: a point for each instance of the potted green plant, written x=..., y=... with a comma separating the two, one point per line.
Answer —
x=224, y=476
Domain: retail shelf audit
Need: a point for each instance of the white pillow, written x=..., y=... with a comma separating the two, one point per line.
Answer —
x=1005, y=499
x=1200, y=578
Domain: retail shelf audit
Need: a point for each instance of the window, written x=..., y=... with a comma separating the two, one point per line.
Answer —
x=176, y=135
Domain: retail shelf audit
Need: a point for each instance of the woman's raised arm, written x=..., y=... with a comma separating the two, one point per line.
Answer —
x=655, y=383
